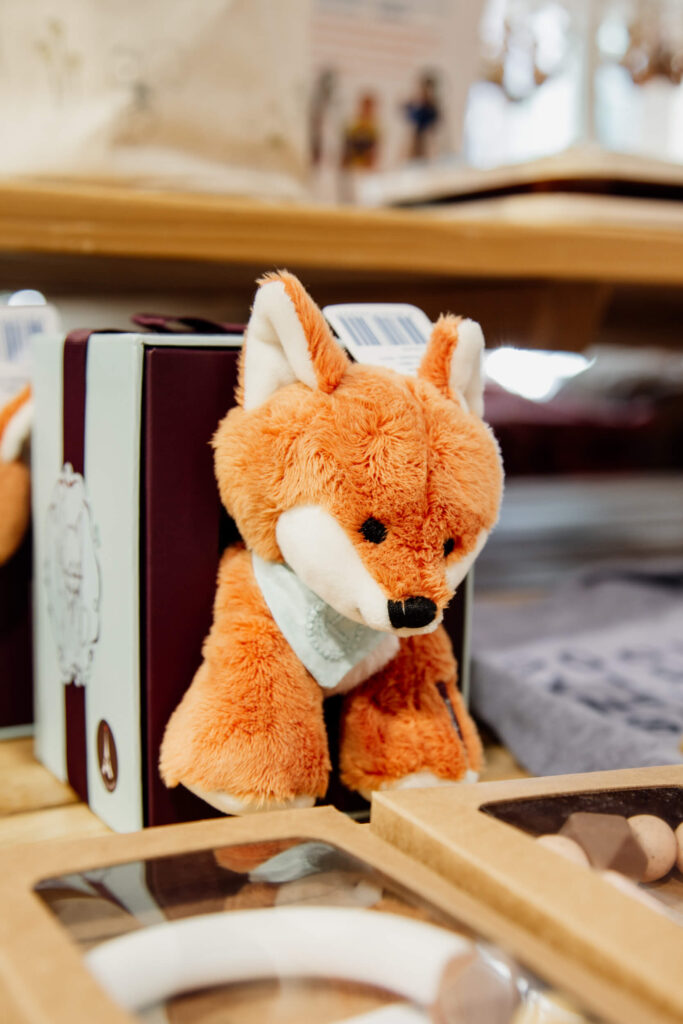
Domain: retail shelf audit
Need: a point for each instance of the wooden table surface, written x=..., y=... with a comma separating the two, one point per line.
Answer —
x=35, y=806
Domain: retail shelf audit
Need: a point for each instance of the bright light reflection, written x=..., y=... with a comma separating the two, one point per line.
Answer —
x=26, y=297
x=533, y=374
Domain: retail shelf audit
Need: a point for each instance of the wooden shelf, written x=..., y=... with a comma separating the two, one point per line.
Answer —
x=568, y=237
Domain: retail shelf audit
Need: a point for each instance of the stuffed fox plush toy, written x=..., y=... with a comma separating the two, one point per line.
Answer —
x=363, y=497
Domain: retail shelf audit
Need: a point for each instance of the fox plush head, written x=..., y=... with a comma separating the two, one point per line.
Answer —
x=377, y=489
x=363, y=496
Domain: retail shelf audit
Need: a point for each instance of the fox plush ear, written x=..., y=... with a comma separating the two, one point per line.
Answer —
x=287, y=339
x=452, y=361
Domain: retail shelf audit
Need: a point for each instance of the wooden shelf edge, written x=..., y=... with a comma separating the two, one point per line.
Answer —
x=469, y=241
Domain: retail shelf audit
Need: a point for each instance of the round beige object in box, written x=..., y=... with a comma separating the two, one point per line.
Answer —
x=565, y=846
x=658, y=842
x=679, y=847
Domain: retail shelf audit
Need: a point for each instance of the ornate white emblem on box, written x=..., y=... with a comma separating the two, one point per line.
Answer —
x=72, y=576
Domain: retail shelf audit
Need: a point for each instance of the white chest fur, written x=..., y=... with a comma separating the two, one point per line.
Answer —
x=382, y=654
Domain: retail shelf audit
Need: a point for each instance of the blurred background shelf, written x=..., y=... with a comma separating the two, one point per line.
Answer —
x=567, y=237
x=537, y=270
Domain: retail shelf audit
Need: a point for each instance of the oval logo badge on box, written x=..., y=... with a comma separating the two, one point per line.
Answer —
x=106, y=756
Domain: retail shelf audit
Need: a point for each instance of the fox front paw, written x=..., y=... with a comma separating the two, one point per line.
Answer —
x=226, y=803
x=419, y=780
x=242, y=755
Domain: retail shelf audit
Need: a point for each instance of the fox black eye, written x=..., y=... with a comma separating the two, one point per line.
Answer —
x=448, y=546
x=373, y=530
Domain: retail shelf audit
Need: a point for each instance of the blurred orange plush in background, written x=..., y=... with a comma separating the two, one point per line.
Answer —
x=15, y=491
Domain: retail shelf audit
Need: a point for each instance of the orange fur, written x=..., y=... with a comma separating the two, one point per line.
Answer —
x=330, y=362
x=13, y=406
x=367, y=442
x=436, y=362
x=15, y=506
x=379, y=445
x=15, y=488
x=251, y=722
x=398, y=722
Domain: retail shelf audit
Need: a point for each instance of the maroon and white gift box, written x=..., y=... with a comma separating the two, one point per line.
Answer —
x=128, y=531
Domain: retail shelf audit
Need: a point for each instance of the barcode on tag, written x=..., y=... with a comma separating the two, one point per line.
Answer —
x=18, y=324
x=386, y=334
x=14, y=338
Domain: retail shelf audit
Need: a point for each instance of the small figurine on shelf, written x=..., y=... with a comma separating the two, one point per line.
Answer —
x=423, y=114
x=362, y=136
x=363, y=497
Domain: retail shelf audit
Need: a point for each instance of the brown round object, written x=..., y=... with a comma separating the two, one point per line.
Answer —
x=473, y=989
x=658, y=843
x=566, y=847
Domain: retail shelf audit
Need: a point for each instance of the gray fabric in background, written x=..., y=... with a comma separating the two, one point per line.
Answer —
x=568, y=731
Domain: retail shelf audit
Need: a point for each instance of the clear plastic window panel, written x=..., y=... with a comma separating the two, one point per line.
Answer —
x=288, y=931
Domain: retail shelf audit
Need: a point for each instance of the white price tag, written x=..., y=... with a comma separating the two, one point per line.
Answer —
x=18, y=325
x=390, y=334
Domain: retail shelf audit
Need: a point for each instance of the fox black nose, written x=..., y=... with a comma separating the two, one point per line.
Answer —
x=411, y=613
